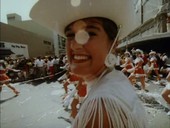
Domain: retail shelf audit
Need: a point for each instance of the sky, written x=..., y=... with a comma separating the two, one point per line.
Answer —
x=21, y=7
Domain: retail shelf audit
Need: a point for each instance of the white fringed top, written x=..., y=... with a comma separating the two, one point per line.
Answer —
x=111, y=99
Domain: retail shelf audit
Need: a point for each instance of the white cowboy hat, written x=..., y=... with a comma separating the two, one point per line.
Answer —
x=152, y=52
x=57, y=14
x=138, y=51
x=127, y=52
x=1, y=61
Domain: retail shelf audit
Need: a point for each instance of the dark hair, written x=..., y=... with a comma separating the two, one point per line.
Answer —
x=109, y=26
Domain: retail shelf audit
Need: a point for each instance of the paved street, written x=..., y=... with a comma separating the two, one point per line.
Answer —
x=40, y=104
x=37, y=106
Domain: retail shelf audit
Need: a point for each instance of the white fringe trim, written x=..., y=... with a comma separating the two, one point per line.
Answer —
x=118, y=115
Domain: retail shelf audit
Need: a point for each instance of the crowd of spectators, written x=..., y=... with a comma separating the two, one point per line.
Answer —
x=41, y=66
x=22, y=68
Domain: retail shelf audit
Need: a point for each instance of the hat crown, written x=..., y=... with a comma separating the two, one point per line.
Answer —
x=1, y=61
x=57, y=14
x=152, y=52
x=139, y=51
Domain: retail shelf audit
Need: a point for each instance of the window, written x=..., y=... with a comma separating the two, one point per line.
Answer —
x=2, y=45
x=47, y=42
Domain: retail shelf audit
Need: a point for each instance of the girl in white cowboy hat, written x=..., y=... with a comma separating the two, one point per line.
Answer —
x=91, y=29
x=138, y=72
x=128, y=66
x=153, y=66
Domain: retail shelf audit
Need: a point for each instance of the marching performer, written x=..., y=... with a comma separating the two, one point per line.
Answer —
x=4, y=79
x=166, y=91
x=138, y=70
x=128, y=65
x=78, y=98
x=153, y=66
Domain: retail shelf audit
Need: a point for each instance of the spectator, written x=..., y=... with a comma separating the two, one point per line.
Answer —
x=40, y=66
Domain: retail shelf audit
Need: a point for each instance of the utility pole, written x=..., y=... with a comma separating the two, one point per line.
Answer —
x=141, y=5
x=164, y=17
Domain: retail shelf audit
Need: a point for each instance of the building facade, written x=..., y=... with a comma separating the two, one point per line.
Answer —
x=17, y=50
x=40, y=41
x=153, y=26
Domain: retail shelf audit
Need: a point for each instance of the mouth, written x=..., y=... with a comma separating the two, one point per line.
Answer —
x=80, y=58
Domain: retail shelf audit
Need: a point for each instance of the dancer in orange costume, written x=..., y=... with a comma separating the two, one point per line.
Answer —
x=128, y=65
x=79, y=97
x=72, y=78
x=4, y=79
x=139, y=71
x=153, y=65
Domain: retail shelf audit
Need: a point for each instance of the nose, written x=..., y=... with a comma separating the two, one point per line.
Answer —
x=82, y=37
x=75, y=46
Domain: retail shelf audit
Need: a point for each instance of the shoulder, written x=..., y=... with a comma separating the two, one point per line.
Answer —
x=106, y=111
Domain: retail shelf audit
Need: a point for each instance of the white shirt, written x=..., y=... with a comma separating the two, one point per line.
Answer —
x=55, y=61
x=49, y=64
x=164, y=58
x=39, y=63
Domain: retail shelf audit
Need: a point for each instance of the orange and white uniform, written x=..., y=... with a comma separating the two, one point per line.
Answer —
x=139, y=71
x=81, y=86
x=81, y=91
x=73, y=78
x=3, y=77
x=128, y=65
x=153, y=63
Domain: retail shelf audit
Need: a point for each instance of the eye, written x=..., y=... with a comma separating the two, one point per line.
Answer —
x=92, y=33
x=70, y=36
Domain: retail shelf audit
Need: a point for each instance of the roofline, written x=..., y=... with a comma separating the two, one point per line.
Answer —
x=146, y=38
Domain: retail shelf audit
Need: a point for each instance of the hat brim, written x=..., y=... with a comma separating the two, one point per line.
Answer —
x=152, y=53
x=57, y=14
